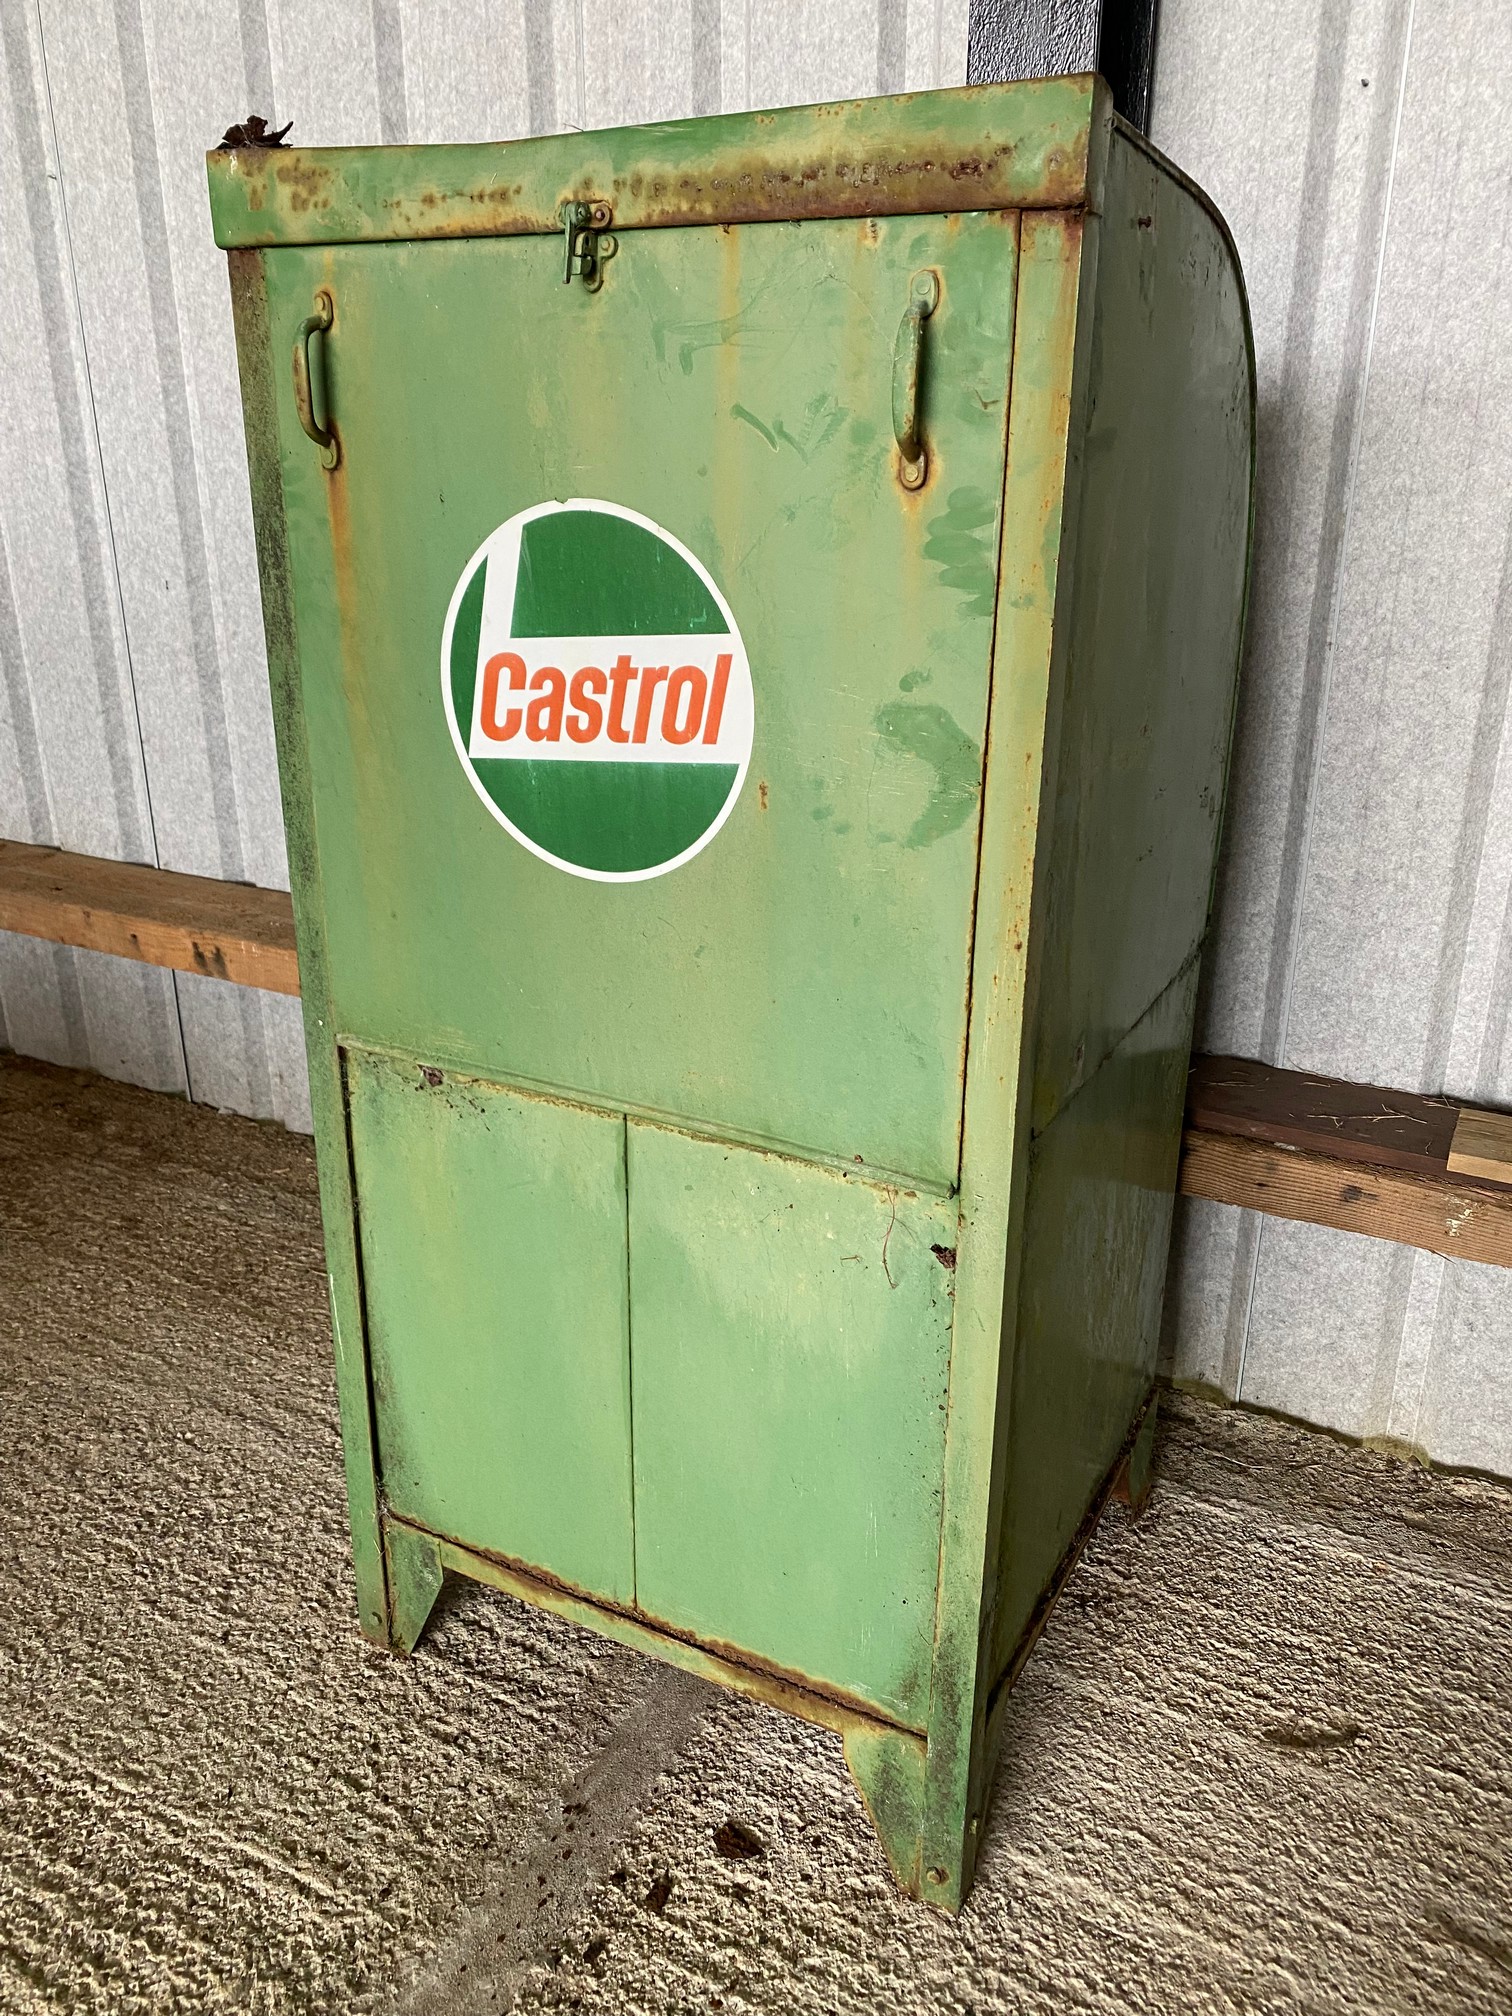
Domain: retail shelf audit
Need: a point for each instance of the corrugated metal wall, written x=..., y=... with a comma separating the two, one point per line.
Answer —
x=1357, y=147
x=1359, y=150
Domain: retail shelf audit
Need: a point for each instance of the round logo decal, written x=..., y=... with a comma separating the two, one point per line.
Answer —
x=597, y=690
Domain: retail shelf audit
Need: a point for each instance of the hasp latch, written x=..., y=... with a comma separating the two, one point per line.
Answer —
x=585, y=228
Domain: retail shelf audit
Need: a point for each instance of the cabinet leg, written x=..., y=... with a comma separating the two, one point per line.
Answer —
x=1137, y=1473
x=414, y=1583
x=888, y=1767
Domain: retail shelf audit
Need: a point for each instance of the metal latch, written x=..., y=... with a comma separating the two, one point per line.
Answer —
x=584, y=228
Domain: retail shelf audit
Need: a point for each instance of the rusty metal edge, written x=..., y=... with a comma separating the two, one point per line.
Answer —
x=725, y=1665
x=256, y=369
x=1057, y=253
x=1033, y=145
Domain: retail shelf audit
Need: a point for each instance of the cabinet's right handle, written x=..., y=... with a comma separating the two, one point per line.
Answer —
x=315, y=325
x=908, y=372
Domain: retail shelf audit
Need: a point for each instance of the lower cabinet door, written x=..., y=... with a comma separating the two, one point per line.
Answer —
x=492, y=1228
x=790, y=1332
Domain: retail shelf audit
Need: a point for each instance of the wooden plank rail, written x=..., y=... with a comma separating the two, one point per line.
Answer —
x=1359, y=1158
x=225, y=930
x=1393, y=1165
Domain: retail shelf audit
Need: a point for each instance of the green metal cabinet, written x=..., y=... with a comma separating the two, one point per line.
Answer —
x=753, y=609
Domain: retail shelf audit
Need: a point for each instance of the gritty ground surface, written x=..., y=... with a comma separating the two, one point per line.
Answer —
x=1259, y=1761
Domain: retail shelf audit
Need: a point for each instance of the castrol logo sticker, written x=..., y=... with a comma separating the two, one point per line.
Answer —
x=597, y=690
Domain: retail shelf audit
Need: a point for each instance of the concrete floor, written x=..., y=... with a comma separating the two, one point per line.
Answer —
x=1259, y=1761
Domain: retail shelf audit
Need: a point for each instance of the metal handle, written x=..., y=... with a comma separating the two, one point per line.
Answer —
x=908, y=372
x=317, y=324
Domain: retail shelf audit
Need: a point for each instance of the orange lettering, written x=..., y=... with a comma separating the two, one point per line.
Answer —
x=543, y=717
x=716, y=698
x=621, y=672
x=687, y=679
x=584, y=724
x=488, y=712
x=651, y=677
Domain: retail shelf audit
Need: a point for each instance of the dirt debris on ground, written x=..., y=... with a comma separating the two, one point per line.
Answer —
x=1258, y=1762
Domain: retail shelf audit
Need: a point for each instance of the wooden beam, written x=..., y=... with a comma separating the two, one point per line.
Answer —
x=1482, y=1146
x=225, y=930
x=1465, y=1220
x=1323, y=1116
x=1359, y=1158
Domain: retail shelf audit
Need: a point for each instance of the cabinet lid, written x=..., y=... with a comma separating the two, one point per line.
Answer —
x=1035, y=145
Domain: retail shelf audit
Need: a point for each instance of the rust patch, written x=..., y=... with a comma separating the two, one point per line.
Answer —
x=741, y=187
x=308, y=183
x=761, y=794
x=431, y=1075
x=946, y=1255
x=338, y=507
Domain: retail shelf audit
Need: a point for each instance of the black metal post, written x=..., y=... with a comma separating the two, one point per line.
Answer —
x=1057, y=38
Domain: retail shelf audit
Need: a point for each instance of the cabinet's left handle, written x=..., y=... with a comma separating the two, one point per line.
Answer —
x=317, y=324
x=908, y=374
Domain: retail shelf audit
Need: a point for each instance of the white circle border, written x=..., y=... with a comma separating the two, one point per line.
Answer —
x=459, y=742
